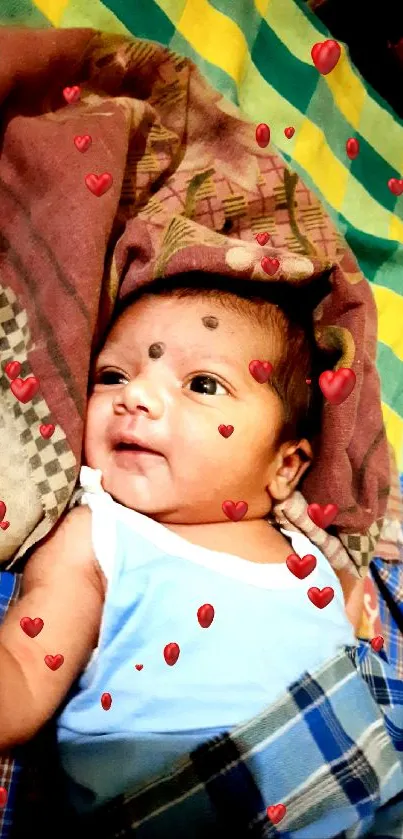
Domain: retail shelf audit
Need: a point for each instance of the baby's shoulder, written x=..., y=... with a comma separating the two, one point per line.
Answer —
x=69, y=543
x=65, y=554
x=77, y=536
x=76, y=524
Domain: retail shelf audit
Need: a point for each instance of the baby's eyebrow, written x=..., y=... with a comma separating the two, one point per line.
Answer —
x=101, y=360
x=110, y=353
x=236, y=365
x=184, y=353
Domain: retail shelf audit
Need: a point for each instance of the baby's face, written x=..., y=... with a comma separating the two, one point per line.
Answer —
x=171, y=372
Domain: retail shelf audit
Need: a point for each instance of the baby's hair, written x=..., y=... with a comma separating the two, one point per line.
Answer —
x=276, y=306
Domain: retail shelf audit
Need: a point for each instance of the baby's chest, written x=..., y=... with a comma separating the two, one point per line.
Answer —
x=208, y=648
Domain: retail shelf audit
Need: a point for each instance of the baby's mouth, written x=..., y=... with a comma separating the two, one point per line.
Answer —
x=133, y=448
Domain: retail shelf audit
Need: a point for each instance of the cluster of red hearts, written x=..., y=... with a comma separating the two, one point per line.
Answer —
x=325, y=56
x=97, y=184
x=33, y=626
x=336, y=386
x=301, y=567
x=24, y=390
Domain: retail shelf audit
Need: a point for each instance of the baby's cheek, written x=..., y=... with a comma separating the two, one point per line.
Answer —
x=95, y=431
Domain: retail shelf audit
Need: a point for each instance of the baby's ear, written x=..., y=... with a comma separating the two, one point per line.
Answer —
x=292, y=461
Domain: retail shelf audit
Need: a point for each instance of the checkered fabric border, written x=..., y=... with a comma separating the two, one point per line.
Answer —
x=361, y=546
x=51, y=462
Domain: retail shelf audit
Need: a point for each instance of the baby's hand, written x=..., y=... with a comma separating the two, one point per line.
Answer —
x=61, y=586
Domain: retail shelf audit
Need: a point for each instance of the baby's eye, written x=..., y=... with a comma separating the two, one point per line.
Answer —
x=207, y=385
x=110, y=377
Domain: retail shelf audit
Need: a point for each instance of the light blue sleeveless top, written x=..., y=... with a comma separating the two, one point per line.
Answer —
x=264, y=635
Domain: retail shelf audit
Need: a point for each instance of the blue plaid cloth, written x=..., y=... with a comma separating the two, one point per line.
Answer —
x=389, y=580
x=388, y=577
x=330, y=750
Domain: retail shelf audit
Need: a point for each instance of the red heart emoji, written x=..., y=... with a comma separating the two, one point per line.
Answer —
x=263, y=135
x=12, y=369
x=396, y=185
x=25, y=389
x=4, y=525
x=3, y=796
x=377, y=643
x=31, y=627
x=171, y=653
x=262, y=238
x=235, y=512
x=46, y=431
x=226, y=430
x=99, y=184
x=301, y=567
x=321, y=597
x=325, y=56
x=261, y=371
x=71, y=94
x=82, y=142
x=205, y=615
x=289, y=132
x=337, y=386
x=352, y=148
x=3, y=510
x=276, y=812
x=54, y=661
x=324, y=515
x=106, y=701
x=269, y=265
x=139, y=666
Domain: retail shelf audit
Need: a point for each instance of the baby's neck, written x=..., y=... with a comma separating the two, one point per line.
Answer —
x=254, y=539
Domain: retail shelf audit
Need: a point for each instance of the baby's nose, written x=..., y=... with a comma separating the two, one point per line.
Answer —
x=140, y=394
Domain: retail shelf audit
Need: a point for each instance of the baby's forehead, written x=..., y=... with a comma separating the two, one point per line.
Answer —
x=207, y=310
x=193, y=320
x=170, y=313
x=189, y=305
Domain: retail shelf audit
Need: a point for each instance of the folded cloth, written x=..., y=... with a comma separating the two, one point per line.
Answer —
x=332, y=771
x=177, y=182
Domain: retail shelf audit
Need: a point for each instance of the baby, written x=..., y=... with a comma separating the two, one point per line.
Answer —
x=177, y=424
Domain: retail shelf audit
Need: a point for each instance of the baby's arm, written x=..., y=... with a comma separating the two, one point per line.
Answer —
x=61, y=585
x=353, y=590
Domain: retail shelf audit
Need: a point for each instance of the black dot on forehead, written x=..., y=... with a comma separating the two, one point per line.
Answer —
x=156, y=350
x=210, y=322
